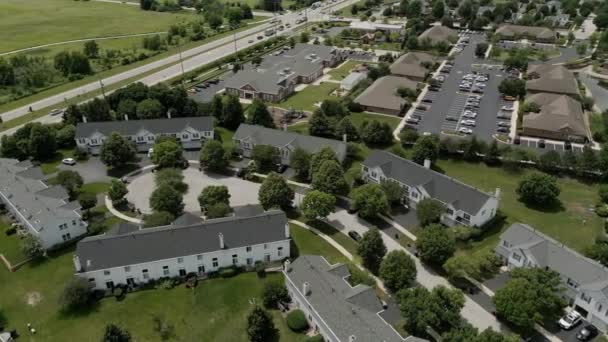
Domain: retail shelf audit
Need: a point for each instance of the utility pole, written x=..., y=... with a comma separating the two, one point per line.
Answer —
x=103, y=91
x=181, y=63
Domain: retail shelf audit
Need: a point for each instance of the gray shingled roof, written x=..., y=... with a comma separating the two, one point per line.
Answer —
x=346, y=310
x=508, y=30
x=36, y=201
x=150, y=244
x=441, y=187
x=548, y=252
x=438, y=34
x=551, y=79
x=558, y=113
x=383, y=93
x=273, y=137
x=154, y=126
x=410, y=64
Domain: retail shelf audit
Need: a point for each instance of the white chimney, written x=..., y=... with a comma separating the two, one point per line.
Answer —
x=169, y=114
x=352, y=338
x=84, y=119
x=344, y=137
x=427, y=163
x=221, y=236
x=497, y=193
x=287, y=266
x=287, y=231
x=306, y=288
x=126, y=117
x=77, y=264
x=285, y=127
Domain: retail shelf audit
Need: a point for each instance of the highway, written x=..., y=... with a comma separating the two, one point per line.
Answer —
x=192, y=59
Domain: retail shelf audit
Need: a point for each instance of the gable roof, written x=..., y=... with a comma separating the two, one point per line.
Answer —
x=40, y=205
x=154, y=126
x=547, y=252
x=438, y=34
x=167, y=242
x=558, y=113
x=383, y=93
x=410, y=64
x=441, y=187
x=260, y=135
x=346, y=310
x=508, y=30
x=551, y=79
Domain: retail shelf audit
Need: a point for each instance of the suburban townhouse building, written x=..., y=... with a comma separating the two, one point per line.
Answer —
x=44, y=211
x=334, y=309
x=277, y=75
x=585, y=281
x=465, y=205
x=248, y=136
x=536, y=33
x=191, y=132
x=134, y=256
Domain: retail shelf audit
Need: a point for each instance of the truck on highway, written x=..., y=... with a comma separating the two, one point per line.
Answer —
x=269, y=32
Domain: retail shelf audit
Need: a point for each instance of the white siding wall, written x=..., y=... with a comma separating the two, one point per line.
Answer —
x=191, y=263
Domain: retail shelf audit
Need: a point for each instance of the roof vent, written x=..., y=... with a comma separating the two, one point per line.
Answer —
x=352, y=338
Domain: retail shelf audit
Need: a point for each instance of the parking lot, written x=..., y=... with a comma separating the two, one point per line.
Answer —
x=206, y=91
x=466, y=97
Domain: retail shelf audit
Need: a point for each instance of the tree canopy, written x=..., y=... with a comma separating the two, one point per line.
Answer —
x=275, y=193
x=371, y=248
x=117, y=151
x=435, y=244
x=370, y=200
x=398, y=271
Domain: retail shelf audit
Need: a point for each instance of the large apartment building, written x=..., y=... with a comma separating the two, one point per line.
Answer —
x=44, y=211
x=191, y=132
x=336, y=310
x=465, y=205
x=585, y=280
x=133, y=256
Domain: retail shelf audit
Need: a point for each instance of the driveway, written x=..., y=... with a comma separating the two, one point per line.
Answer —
x=92, y=170
x=426, y=277
x=242, y=192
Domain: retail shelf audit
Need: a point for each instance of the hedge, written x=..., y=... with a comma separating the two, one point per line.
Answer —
x=296, y=321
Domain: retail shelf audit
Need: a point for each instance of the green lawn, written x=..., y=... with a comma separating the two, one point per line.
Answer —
x=308, y=242
x=596, y=123
x=573, y=224
x=50, y=166
x=341, y=72
x=306, y=99
x=225, y=135
x=9, y=245
x=23, y=22
x=95, y=188
x=358, y=118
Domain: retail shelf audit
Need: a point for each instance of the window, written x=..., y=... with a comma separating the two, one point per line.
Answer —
x=215, y=263
x=199, y=257
x=165, y=270
x=266, y=257
x=109, y=284
x=82, y=140
x=201, y=269
x=94, y=142
x=506, y=244
x=572, y=283
x=599, y=308
x=207, y=134
x=131, y=281
x=63, y=226
x=140, y=139
x=195, y=135
x=73, y=222
x=145, y=274
x=180, y=260
x=92, y=282
x=374, y=174
x=66, y=237
x=449, y=211
x=182, y=272
x=150, y=138
x=466, y=216
x=127, y=268
x=235, y=259
x=516, y=257
x=585, y=298
x=365, y=168
x=249, y=261
x=414, y=195
x=248, y=248
x=280, y=251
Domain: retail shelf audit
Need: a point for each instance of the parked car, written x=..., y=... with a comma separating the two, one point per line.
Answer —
x=587, y=333
x=503, y=130
x=69, y=161
x=422, y=107
x=354, y=235
x=477, y=90
x=468, y=123
x=465, y=130
x=434, y=89
x=451, y=118
x=503, y=124
x=572, y=319
x=503, y=116
x=427, y=100
x=470, y=112
x=56, y=111
x=260, y=37
x=412, y=121
x=507, y=108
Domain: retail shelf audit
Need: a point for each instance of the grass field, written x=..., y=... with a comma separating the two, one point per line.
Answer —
x=306, y=98
x=216, y=310
x=22, y=21
x=341, y=72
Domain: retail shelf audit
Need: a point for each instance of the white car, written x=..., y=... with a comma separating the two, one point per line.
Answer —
x=570, y=320
x=507, y=108
x=465, y=130
x=56, y=111
x=468, y=123
x=469, y=116
x=150, y=151
x=69, y=161
x=468, y=77
x=481, y=85
x=469, y=112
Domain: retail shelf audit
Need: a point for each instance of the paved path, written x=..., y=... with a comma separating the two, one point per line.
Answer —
x=119, y=214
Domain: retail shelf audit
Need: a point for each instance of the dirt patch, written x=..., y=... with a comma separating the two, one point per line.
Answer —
x=33, y=298
x=282, y=116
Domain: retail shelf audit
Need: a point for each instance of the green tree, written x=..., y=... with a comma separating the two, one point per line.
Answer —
x=429, y=211
x=91, y=49
x=317, y=204
x=266, y=157
x=232, y=113
x=127, y=108
x=375, y=133
x=150, y=109
x=273, y=294
x=31, y=246
x=213, y=156
x=76, y=294
x=275, y=193
x=117, y=151
x=549, y=161
x=171, y=177
x=319, y=125
x=71, y=181
x=480, y=49
x=538, y=189
x=330, y=179
x=371, y=248
x=438, y=10
x=532, y=295
x=42, y=144
x=300, y=162
x=157, y=219
x=517, y=60
x=167, y=153
x=258, y=114
x=114, y=333
x=65, y=136
x=439, y=309
x=398, y=271
x=408, y=136
x=435, y=244
x=213, y=194
x=166, y=198
x=603, y=193
x=218, y=210
x=87, y=201
x=260, y=326
x=324, y=154
x=346, y=128
x=493, y=154
x=117, y=191
x=370, y=200
x=427, y=147
x=304, y=37
x=512, y=87
x=394, y=192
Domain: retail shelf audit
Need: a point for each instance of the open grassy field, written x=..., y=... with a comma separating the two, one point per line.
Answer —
x=31, y=23
x=216, y=310
x=306, y=98
x=343, y=70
